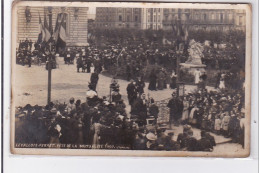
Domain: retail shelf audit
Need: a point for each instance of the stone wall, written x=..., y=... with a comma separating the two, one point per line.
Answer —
x=77, y=28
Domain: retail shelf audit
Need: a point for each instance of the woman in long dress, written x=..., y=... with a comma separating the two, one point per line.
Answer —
x=96, y=128
x=192, y=119
x=153, y=79
x=185, y=112
x=173, y=80
x=161, y=78
x=92, y=68
x=222, y=82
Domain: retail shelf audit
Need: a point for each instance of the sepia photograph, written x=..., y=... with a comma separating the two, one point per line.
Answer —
x=131, y=79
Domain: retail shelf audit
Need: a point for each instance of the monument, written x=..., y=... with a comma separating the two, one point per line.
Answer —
x=194, y=61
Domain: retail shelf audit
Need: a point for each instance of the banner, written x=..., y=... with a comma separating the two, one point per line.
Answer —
x=41, y=35
x=46, y=29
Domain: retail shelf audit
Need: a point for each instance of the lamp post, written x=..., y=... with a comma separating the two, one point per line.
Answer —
x=50, y=51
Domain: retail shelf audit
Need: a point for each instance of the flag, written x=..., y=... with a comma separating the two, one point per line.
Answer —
x=60, y=28
x=41, y=31
x=57, y=27
x=62, y=32
x=46, y=29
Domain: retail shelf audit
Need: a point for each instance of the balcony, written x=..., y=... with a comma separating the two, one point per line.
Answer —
x=200, y=22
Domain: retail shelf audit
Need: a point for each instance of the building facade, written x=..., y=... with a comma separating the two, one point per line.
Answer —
x=138, y=18
x=163, y=18
x=152, y=18
x=118, y=17
x=76, y=23
x=206, y=19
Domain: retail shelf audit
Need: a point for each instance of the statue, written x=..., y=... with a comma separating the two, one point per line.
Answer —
x=195, y=53
x=194, y=63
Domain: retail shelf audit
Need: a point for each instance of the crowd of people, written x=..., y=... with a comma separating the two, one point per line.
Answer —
x=220, y=112
x=102, y=121
x=24, y=53
x=37, y=54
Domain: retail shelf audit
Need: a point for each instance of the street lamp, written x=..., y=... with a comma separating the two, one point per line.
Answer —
x=50, y=51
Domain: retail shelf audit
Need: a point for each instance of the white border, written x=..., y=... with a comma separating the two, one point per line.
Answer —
x=16, y=163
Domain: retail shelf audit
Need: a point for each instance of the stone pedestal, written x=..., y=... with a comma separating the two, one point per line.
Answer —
x=191, y=68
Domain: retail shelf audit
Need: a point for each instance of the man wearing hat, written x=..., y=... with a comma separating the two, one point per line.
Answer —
x=80, y=63
x=139, y=108
x=71, y=106
x=94, y=80
x=170, y=143
x=88, y=63
x=131, y=92
x=154, y=110
x=151, y=141
x=176, y=108
x=204, y=143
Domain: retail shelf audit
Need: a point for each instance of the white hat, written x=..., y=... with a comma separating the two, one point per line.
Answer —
x=106, y=102
x=91, y=94
x=150, y=136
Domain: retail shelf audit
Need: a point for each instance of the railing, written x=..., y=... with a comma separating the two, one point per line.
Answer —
x=199, y=22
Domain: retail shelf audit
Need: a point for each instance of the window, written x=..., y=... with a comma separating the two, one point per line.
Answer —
x=221, y=17
x=136, y=18
x=240, y=20
x=205, y=17
x=230, y=16
x=212, y=16
x=120, y=18
x=128, y=18
x=187, y=16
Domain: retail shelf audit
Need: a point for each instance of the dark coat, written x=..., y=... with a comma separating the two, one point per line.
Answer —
x=94, y=78
x=176, y=108
x=131, y=93
x=140, y=86
x=79, y=63
x=153, y=80
x=140, y=109
x=154, y=110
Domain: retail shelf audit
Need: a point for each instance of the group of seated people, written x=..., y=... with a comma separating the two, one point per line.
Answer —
x=161, y=139
x=219, y=112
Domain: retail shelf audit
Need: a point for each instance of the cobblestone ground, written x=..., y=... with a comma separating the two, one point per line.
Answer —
x=30, y=87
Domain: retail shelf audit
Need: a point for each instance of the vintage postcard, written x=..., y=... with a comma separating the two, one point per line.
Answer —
x=131, y=79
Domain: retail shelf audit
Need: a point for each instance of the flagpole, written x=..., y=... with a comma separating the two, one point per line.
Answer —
x=178, y=55
x=49, y=59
